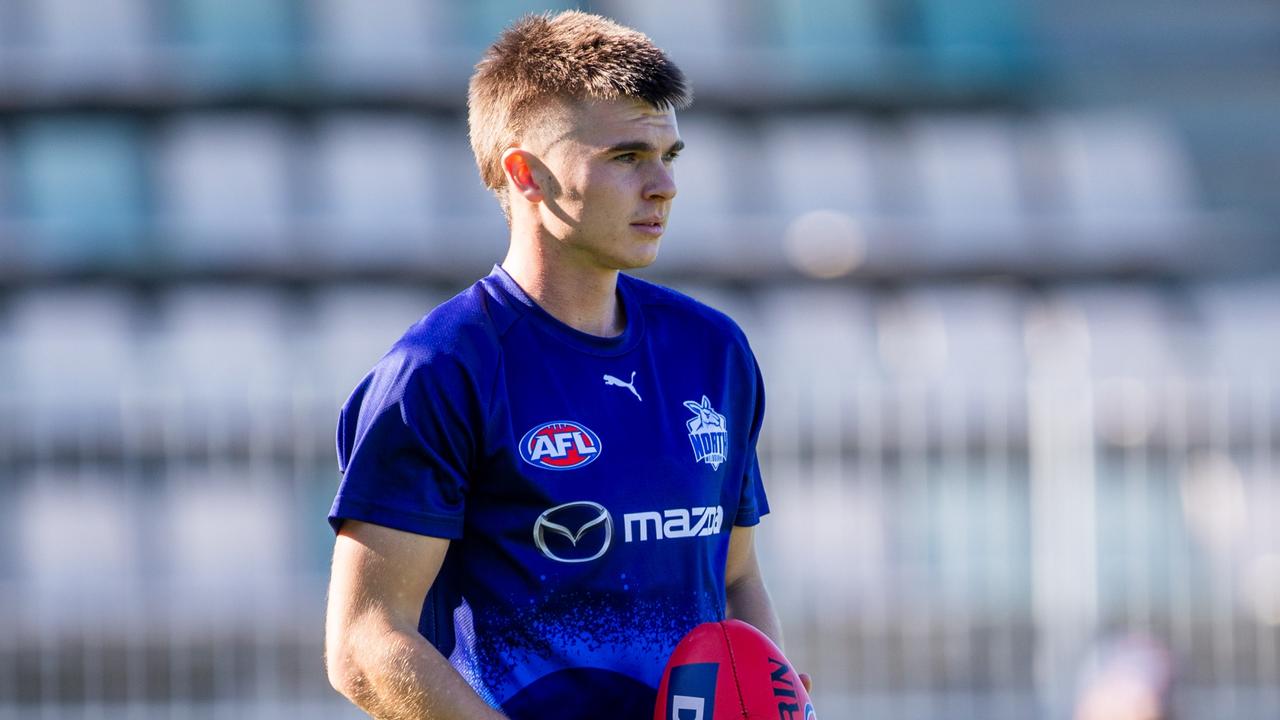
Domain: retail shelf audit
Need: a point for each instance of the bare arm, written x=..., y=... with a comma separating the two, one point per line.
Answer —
x=746, y=597
x=373, y=651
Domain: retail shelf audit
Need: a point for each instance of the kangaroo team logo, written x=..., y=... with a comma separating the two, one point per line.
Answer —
x=708, y=432
x=561, y=445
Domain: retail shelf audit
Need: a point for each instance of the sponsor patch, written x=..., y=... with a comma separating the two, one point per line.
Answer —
x=574, y=532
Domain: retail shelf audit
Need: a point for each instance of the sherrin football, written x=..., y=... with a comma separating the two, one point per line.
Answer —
x=730, y=670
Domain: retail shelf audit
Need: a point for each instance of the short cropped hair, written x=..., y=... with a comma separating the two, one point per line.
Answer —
x=572, y=55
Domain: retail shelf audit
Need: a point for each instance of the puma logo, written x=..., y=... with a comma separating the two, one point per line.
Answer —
x=611, y=380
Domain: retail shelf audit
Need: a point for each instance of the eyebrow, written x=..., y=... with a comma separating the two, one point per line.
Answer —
x=642, y=146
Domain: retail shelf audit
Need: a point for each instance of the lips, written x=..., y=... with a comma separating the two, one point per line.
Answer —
x=654, y=230
x=649, y=225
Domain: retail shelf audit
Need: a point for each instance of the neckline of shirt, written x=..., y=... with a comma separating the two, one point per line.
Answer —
x=585, y=342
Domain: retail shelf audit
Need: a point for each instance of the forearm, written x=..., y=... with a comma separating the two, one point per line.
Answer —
x=748, y=600
x=398, y=675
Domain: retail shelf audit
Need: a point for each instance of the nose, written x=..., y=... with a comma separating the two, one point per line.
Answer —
x=662, y=185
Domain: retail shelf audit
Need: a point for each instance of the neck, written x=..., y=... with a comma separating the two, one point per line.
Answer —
x=584, y=298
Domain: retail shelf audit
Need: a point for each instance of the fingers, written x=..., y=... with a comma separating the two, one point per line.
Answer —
x=807, y=681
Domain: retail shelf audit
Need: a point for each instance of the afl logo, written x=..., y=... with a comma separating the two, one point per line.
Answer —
x=561, y=445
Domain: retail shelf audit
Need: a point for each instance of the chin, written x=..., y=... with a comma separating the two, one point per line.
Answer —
x=639, y=260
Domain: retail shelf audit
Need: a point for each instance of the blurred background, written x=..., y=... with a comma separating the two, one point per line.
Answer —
x=1012, y=271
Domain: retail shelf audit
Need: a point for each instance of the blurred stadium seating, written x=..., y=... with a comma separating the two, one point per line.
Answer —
x=1012, y=273
x=80, y=190
x=224, y=189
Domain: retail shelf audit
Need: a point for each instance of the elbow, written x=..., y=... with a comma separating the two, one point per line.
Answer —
x=342, y=678
x=344, y=672
x=746, y=585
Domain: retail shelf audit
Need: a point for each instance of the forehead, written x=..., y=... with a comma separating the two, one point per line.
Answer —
x=603, y=123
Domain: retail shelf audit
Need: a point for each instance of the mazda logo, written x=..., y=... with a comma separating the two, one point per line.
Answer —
x=574, y=532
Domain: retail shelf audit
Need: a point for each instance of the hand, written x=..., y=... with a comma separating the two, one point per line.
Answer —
x=807, y=681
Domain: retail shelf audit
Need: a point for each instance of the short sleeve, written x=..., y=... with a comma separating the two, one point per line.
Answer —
x=754, y=504
x=406, y=439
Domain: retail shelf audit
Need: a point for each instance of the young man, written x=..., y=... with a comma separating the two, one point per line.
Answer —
x=563, y=455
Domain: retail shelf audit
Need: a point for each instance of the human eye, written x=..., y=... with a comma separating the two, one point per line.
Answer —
x=670, y=157
x=627, y=158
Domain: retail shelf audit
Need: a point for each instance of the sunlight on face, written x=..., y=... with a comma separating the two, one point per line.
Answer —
x=610, y=180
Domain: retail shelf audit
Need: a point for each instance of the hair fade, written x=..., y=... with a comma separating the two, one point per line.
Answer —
x=573, y=55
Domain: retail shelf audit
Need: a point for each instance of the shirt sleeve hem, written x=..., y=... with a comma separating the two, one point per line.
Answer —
x=434, y=525
x=749, y=518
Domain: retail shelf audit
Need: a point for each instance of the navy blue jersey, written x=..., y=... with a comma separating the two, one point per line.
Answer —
x=588, y=486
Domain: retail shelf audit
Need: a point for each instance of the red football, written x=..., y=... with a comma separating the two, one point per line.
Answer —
x=730, y=670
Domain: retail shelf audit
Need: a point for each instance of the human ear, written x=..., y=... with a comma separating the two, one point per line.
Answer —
x=518, y=166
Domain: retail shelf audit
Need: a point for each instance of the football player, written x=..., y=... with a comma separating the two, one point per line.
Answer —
x=552, y=477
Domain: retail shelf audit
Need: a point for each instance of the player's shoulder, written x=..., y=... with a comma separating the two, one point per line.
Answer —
x=673, y=306
x=464, y=330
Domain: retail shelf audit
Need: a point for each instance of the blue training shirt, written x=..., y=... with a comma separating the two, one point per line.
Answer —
x=588, y=486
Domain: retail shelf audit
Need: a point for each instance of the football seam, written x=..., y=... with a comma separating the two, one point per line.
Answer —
x=733, y=665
